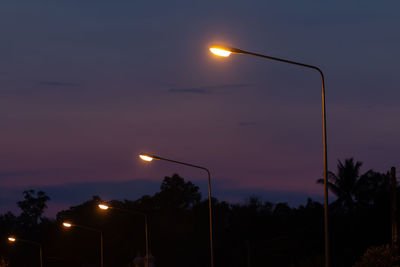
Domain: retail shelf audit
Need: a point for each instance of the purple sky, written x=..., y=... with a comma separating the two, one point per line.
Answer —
x=85, y=87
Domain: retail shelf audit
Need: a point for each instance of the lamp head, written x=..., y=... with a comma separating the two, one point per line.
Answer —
x=224, y=51
x=146, y=157
x=103, y=206
x=67, y=224
x=12, y=239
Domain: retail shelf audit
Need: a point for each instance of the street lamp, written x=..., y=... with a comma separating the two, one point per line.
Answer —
x=69, y=225
x=147, y=157
x=13, y=239
x=104, y=206
x=226, y=51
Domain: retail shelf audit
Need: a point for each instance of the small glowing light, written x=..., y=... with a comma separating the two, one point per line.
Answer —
x=146, y=157
x=67, y=224
x=103, y=207
x=220, y=52
x=12, y=239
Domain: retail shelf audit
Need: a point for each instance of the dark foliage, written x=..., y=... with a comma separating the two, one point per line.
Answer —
x=256, y=233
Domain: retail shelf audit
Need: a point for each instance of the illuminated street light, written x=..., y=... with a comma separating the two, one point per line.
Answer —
x=220, y=52
x=13, y=239
x=226, y=51
x=106, y=207
x=146, y=157
x=103, y=207
x=69, y=225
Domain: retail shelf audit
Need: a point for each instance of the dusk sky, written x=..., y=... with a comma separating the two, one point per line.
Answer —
x=88, y=85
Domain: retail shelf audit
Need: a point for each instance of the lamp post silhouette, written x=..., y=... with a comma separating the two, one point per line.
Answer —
x=104, y=206
x=69, y=225
x=147, y=157
x=225, y=51
x=13, y=239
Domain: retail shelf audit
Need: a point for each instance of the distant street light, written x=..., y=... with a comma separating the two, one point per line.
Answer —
x=13, y=239
x=103, y=207
x=66, y=224
x=106, y=207
x=69, y=225
x=226, y=51
x=147, y=157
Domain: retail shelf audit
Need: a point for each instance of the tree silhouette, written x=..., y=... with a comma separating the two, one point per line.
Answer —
x=176, y=193
x=345, y=184
x=32, y=207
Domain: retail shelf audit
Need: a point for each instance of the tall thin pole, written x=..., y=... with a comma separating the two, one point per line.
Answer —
x=101, y=248
x=147, y=240
x=325, y=149
x=41, y=255
x=210, y=215
x=326, y=226
x=395, y=244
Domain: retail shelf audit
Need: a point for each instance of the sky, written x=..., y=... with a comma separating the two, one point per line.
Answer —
x=85, y=86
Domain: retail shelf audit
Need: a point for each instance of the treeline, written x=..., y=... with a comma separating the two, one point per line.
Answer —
x=255, y=233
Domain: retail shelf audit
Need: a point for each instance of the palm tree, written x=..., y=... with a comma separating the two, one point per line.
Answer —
x=345, y=185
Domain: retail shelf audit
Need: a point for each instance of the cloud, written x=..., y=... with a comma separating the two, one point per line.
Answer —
x=10, y=174
x=188, y=90
x=57, y=83
x=207, y=89
x=246, y=123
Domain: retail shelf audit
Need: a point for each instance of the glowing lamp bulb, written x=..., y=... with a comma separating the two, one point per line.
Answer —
x=11, y=239
x=66, y=224
x=103, y=207
x=146, y=157
x=220, y=52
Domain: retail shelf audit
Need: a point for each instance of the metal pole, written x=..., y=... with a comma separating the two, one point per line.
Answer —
x=41, y=257
x=210, y=215
x=101, y=249
x=147, y=241
x=326, y=226
x=395, y=244
x=325, y=146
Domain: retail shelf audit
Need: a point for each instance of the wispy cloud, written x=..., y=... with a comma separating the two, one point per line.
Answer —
x=248, y=123
x=206, y=89
x=9, y=174
x=188, y=90
x=57, y=83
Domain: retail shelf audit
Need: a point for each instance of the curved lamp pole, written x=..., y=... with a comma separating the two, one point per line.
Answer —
x=225, y=51
x=147, y=157
x=13, y=239
x=104, y=206
x=69, y=225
